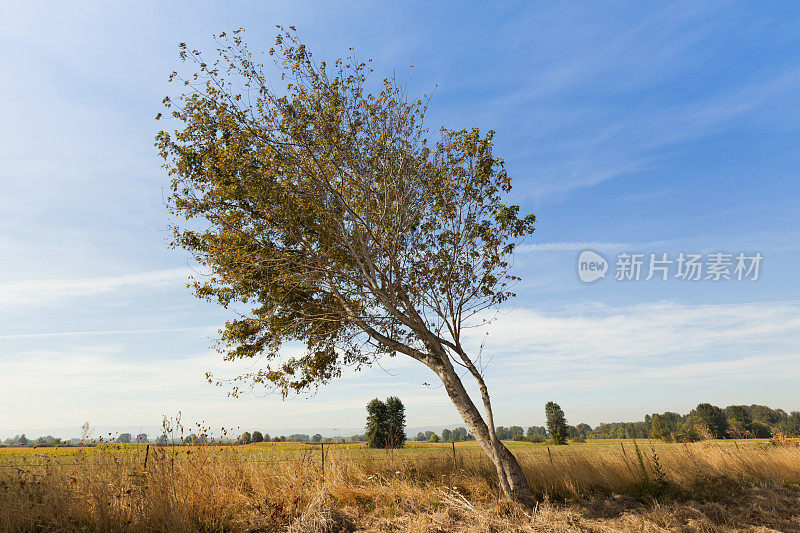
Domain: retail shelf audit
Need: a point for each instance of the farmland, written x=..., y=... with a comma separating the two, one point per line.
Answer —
x=620, y=484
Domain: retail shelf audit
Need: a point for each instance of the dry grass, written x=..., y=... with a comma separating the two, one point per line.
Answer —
x=591, y=487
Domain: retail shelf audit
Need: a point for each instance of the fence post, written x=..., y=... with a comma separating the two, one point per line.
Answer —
x=550, y=455
x=146, y=453
x=454, y=454
x=322, y=447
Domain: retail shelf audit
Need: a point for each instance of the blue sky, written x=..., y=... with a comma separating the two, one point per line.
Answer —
x=626, y=128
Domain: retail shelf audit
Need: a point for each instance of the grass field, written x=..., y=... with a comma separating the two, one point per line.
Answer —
x=597, y=486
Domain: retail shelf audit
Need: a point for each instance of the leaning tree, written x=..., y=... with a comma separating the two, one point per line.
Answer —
x=327, y=213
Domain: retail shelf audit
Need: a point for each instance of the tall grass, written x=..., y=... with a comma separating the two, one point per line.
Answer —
x=271, y=488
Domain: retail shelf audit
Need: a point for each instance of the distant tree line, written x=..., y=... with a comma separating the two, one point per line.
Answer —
x=705, y=421
x=458, y=434
x=256, y=437
x=49, y=440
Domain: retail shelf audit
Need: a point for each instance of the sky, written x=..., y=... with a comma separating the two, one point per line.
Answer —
x=627, y=128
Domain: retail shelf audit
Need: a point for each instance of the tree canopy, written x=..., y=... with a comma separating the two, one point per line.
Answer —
x=333, y=212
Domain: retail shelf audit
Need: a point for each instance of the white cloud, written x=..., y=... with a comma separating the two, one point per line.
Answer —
x=591, y=346
x=99, y=383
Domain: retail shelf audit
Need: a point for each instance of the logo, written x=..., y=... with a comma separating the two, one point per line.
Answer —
x=591, y=266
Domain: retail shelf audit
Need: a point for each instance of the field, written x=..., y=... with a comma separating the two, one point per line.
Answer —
x=598, y=486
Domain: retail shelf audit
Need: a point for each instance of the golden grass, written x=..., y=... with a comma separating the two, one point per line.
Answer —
x=279, y=487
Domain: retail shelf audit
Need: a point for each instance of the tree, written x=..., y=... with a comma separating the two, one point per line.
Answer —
x=739, y=421
x=556, y=423
x=583, y=430
x=257, y=436
x=395, y=423
x=671, y=422
x=124, y=438
x=693, y=428
x=385, y=427
x=539, y=431
x=434, y=438
x=447, y=435
x=713, y=418
x=516, y=430
x=376, y=429
x=23, y=440
x=316, y=438
x=767, y=415
x=460, y=434
x=791, y=426
x=657, y=429
x=342, y=222
x=245, y=438
x=141, y=437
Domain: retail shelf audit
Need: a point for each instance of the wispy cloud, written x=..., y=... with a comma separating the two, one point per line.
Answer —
x=642, y=196
x=110, y=332
x=567, y=118
x=633, y=142
x=572, y=246
x=53, y=291
x=659, y=334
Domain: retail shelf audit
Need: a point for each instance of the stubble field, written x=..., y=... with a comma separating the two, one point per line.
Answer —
x=599, y=486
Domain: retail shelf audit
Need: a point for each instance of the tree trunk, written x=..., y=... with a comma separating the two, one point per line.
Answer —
x=510, y=475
